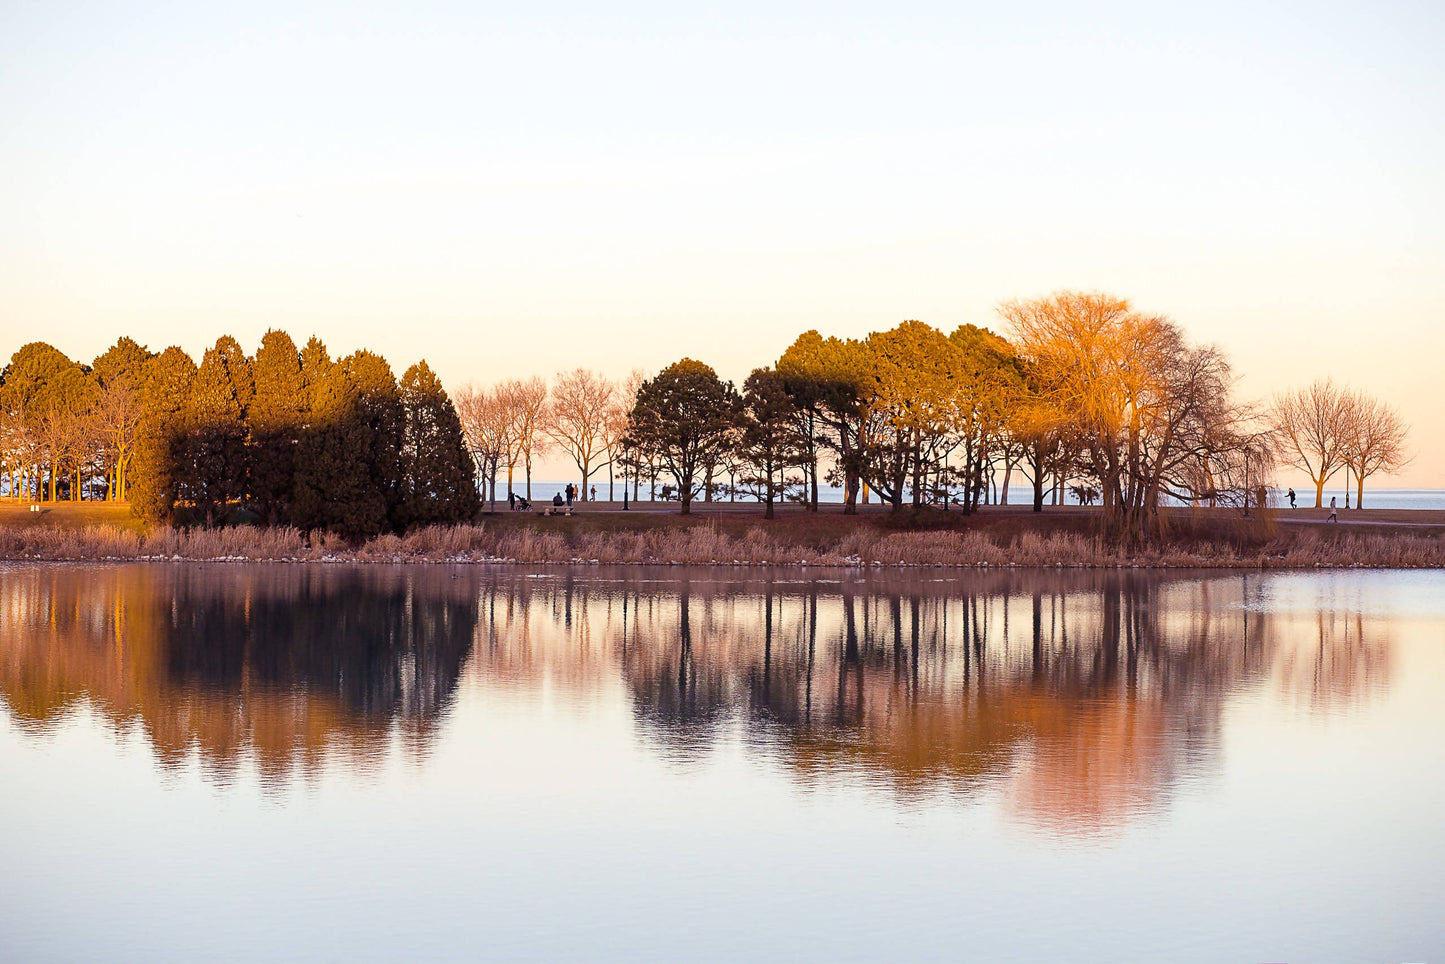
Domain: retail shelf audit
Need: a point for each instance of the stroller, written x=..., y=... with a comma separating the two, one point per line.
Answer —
x=521, y=505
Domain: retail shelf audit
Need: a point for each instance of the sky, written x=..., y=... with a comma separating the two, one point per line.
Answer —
x=518, y=189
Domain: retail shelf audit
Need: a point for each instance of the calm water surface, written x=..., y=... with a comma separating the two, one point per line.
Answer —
x=374, y=763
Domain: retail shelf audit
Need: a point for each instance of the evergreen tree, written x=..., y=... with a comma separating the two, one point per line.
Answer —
x=275, y=421
x=379, y=412
x=323, y=469
x=438, y=474
x=348, y=462
x=31, y=379
x=769, y=441
x=49, y=392
x=165, y=399
x=125, y=360
x=684, y=417
x=826, y=378
x=213, y=469
x=315, y=364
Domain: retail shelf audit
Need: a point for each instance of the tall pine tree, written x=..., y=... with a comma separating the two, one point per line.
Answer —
x=213, y=470
x=275, y=420
x=165, y=399
x=348, y=462
x=378, y=408
x=438, y=474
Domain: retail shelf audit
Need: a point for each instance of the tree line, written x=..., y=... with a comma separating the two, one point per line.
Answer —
x=288, y=434
x=583, y=416
x=1085, y=395
x=1325, y=428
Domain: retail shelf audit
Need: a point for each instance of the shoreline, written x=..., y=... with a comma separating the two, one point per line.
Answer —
x=835, y=542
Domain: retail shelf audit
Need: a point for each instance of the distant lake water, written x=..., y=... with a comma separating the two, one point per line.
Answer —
x=370, y=763
x=1021, y=494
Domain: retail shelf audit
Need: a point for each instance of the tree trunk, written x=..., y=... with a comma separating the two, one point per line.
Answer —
x=917, y=456
x=813, y=474
x=1320, y=493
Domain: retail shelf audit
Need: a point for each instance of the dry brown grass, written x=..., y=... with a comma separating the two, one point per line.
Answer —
x=68, y=515
x=709, y=543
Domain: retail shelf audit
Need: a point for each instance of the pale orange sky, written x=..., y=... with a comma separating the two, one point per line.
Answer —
x=506, y=194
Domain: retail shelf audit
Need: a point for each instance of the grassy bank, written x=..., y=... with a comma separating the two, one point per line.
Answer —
x=1005, y=539
x=68, y=515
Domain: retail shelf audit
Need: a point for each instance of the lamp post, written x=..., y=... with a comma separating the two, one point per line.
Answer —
x=625, y=507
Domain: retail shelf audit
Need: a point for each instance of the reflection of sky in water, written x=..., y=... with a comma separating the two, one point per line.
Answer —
x=1400, y=594
x=633, y=762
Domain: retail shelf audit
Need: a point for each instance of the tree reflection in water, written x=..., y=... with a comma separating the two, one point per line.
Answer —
x=1081, y=697
x=282, y=664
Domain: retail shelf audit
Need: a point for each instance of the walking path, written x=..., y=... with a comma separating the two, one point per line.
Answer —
x=1366, y=522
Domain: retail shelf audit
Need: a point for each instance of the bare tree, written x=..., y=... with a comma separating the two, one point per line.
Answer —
x=526, y=402
x=20, y=451
x=62, y=442
x=115, y=418
x=1310, y=431
x=486, y=426
x=618, y=423
x=1374, y=440
x=579, y=417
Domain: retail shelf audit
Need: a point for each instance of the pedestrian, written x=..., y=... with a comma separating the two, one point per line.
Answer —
x=571, y=490
x=1334, y=513
x=1291, y=498
x=512, y=501
x=594, y=493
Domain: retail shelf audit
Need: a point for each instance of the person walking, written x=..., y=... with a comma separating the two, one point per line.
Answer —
x=594, y=493
x=572, y=489
x=1291, y=498
x=1334, y=513
x=512, y=501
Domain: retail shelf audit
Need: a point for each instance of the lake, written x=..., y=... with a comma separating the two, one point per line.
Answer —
x=213, y=761
x=1020, y=494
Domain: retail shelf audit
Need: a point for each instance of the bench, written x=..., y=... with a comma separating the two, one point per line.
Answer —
x=556, y=510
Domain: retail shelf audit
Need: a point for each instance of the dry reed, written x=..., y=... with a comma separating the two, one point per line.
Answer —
x=708, y=545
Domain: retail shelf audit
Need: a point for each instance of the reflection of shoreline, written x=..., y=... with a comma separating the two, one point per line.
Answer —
x=1085, y=700
x=282, y=666
x=1081, y=697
